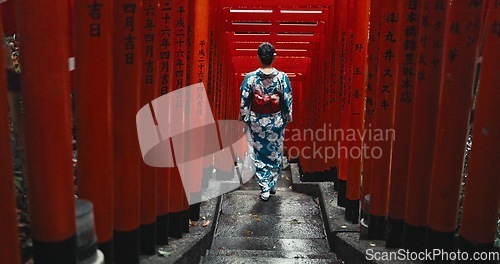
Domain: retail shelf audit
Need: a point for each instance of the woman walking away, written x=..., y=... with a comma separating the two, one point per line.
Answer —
x=266, y=106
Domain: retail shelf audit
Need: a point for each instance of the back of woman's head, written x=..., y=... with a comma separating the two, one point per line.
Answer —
x=266, y=53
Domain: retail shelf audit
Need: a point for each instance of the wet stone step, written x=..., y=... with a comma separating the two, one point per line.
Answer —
x=286, y=229
x=290, y=226
x=314, y=245
x=263, y=260
x=273, y=254
x=248, y=202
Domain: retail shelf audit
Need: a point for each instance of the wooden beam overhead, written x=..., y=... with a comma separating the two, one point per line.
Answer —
x=277, y=45
x=304, y=15
x=231, y=26
x=274, y=3
x=282, y=53
x=314, y=38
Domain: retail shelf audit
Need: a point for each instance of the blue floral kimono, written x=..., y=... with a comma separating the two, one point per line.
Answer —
x=267, y=130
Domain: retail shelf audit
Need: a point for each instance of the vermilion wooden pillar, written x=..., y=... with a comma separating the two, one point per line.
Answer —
x=178, y=201
x=46, y=97
x=480, y=207
x=9, y=17
x=221, y=73
x=165, y=34
x=309, y=108
x=220, y=61
x=327, y=83
x=222, y=77
x=313, y=159
x=338, y=20
x=317, y=114
x=310, y=162
x=149, y=91
x=215, y=57
x=225, y=78
x=210, y=50
x=199, y=67
x=425, y=112
x=341, y=12
x=127, y=56
x=93, y=114
x=387, y=73
x=299, y=107
x=359, y=54
x=404, y=92
x=189, y=22
x=330, y=114
x=189, y=43
x=9, y=241
x=371, y=96
x=306, y=104
x=324, y=166
x=461, y=44
x=304, y=161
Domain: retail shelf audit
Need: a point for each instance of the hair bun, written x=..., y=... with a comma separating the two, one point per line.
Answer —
x=266, y=53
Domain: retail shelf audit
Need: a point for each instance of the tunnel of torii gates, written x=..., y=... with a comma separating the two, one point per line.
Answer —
x=406, y=66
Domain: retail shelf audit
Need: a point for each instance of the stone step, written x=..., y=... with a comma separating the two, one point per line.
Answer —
x=272, y=254
x=290, y=226
x=263, y=260
x=286, y=229
x=313, y=245
x=248, y=202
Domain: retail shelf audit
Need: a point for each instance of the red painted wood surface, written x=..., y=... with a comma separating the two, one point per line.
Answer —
x=386, y=89
x=341, y=16
x=9, y=241
x=127, y=60
x=404, y=101
x=371, y=92
x=93, y=110
x=425, y=113
x=9, y=17
x=459, y=63
x=357, y=97
x=178, y=199
x=480, y=207
x=148, y=89
x=164, y=82
x=330, y=114
x=47, y=110
x=200, y=65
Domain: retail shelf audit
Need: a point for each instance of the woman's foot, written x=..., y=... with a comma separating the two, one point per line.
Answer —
x=264, y=196
x=273, y=190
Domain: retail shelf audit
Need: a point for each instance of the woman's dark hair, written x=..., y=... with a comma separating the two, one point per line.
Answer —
x=266, y=53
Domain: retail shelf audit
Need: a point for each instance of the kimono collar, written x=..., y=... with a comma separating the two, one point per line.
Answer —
x=271, y=74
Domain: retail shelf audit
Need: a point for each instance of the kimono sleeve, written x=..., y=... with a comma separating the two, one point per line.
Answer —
x=246, y=91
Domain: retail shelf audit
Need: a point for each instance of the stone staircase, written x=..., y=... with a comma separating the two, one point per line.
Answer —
x=286, y=229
